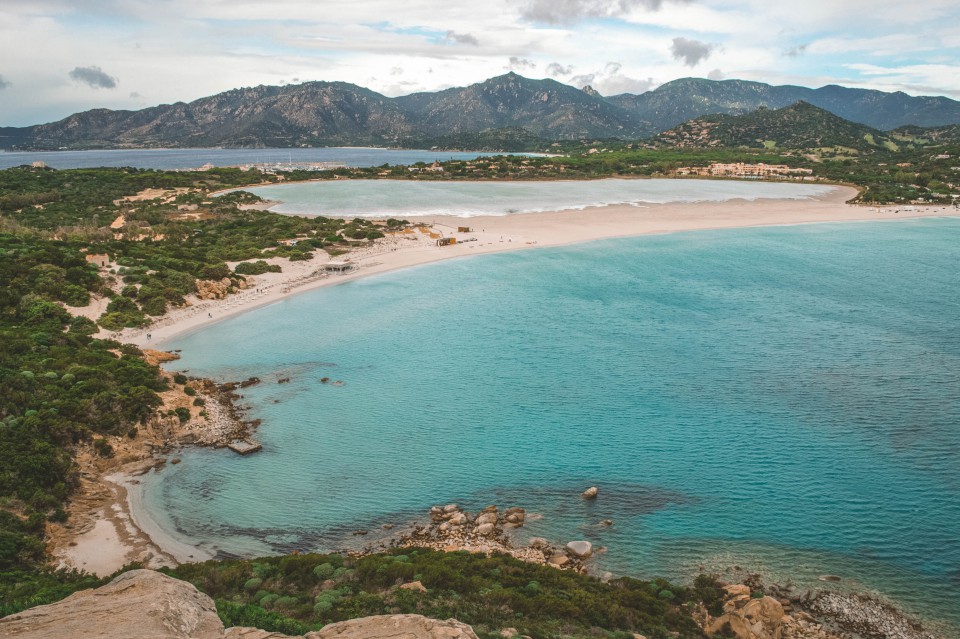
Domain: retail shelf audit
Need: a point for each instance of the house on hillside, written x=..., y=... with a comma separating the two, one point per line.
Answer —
x=100, y=259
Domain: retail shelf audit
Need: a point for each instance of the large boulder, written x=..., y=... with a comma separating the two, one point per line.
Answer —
x=758, y=619
x=580, y=549
x=395, y=627
x=590, y=493
x=140, y=604
x=486, y=518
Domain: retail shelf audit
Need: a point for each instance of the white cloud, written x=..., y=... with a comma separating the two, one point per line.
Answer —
x=462, y=38
x=568, y=11
x=691, y=52
x=93, y=77
x=521, y=65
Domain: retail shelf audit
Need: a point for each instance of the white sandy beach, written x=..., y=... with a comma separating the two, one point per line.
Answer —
x=104, y=553
x=494, y=234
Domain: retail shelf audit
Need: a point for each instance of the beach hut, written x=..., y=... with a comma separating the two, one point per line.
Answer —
x=446, y=241
x=339, y=267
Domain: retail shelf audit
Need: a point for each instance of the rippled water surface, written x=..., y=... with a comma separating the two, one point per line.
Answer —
x=784, y=400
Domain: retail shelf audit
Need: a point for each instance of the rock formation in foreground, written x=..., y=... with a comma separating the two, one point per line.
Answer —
x=143, y=604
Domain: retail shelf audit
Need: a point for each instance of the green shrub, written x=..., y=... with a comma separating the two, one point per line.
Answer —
x=256, y=268
x=103, y=447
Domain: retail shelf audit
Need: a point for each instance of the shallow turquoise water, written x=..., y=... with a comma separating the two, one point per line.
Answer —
x=785, y=400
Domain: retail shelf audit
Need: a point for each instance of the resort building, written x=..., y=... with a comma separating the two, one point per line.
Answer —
x=740, y=169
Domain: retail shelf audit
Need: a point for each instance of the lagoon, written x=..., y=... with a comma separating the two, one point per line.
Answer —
x=412, y=198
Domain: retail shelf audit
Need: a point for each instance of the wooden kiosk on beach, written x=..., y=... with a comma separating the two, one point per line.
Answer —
x=339, y=267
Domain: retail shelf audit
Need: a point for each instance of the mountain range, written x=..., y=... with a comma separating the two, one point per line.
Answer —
x=500, y=110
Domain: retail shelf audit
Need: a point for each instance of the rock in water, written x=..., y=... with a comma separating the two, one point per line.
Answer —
x=486, y=518
x=590, y=493
x=581, y=549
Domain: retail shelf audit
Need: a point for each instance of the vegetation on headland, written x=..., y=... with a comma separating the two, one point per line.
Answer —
x=297, y=593
x=61, y=389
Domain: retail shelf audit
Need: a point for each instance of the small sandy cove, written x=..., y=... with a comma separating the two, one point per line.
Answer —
x=118, y=536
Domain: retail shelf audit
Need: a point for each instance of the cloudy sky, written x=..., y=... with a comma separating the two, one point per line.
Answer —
x=62, y=56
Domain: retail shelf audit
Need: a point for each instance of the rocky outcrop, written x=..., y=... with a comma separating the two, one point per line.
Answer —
x=395, y=627
x=488, y=531
x=590, y=493
x=218, y=289
x=143, y=604
x=750, y=618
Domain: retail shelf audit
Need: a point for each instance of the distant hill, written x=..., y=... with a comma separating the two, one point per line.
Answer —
x=680, y=100
x=928, y=135
x=509, y=110
x=798, y=126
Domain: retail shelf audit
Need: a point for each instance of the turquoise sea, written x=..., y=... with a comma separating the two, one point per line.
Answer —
x=783, y=400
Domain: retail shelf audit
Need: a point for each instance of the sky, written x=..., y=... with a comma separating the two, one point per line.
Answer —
x=58, y=57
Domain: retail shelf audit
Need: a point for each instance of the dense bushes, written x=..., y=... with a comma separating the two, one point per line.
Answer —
x=58, y=387
x=256, y=268
x=301, y=592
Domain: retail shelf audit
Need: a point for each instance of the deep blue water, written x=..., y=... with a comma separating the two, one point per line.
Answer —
x=785, y=400
x=196, y=158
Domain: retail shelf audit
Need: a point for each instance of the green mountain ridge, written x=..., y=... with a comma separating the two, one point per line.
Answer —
x=509, y=108
x=798, y=126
